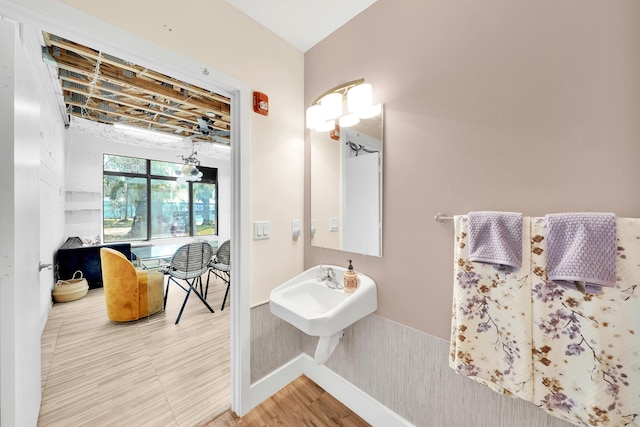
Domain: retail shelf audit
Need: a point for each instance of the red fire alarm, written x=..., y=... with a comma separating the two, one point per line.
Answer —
x=261, y=103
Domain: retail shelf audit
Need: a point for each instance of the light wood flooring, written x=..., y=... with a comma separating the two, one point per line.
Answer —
x=144, y=373
x=157, y=374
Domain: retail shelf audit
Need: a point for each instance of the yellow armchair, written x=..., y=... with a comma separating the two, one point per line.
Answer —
x=129, y=294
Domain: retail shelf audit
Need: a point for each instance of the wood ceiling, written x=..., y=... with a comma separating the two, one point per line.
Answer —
x=106, y=89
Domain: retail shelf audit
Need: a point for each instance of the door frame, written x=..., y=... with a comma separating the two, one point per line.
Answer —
x=60, y=19
x=20, y=355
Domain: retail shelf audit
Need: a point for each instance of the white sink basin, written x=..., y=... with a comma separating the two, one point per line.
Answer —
x=311, y=306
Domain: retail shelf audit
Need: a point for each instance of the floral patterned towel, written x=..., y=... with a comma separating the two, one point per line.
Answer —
x=491, y=319
x=587, y=347
x=576, y=356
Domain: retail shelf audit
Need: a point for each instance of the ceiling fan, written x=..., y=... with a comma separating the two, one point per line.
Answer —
x=203, y=129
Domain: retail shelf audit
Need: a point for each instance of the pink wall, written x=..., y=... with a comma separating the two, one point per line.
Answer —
x=529, y=106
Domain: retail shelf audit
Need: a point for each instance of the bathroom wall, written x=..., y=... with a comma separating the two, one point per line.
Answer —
x=528, y=106
x=222, y=38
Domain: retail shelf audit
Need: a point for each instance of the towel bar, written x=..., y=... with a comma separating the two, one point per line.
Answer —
x=440, y=217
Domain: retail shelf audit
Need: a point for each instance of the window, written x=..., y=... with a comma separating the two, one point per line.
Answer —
x=143, y=201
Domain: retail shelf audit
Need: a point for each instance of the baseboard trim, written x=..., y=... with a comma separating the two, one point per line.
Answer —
x=275, y=381
x=351, y=396
x=44, y=317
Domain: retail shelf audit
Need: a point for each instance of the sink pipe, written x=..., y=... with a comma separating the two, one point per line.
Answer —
x=326, y=346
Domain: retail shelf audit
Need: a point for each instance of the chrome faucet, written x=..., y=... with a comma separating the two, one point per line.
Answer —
x=328, y=276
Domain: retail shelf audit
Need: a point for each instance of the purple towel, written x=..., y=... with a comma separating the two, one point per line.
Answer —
x=496, y=238
x=581, y=250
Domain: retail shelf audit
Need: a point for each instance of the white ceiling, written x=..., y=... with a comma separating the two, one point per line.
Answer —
x=303, y=23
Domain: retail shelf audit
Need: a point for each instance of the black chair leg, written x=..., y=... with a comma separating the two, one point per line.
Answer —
x=193, y=286
x=166, y=294
x=204, y=301
x=200, y=284
x=225, y=296
x=206, y=289
x=183, y=304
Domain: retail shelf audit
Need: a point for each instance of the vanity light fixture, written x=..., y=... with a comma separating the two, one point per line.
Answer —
x=359, y=97
x=349, y=120
x=326, y=126
x=331, y=105
x=314, y=116
x=328, y=107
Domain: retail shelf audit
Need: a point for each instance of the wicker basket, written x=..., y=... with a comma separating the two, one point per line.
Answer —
x=72, y=289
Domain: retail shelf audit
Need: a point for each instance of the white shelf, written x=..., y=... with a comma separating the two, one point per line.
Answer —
x=82, y=206
x=80, y=200
x=83, y=190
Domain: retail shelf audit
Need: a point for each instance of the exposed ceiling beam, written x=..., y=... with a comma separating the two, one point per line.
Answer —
x=107, y=89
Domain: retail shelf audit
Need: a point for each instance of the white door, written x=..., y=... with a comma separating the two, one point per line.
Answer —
x=20, y=361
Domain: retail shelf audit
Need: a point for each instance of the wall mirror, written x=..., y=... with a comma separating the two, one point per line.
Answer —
x=346, y=187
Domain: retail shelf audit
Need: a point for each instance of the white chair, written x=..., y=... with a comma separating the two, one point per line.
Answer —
x=188, y=265
x=220, y=266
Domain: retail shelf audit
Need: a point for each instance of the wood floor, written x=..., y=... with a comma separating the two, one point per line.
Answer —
x=145, y=373
x=157, y=374
x=301, y=403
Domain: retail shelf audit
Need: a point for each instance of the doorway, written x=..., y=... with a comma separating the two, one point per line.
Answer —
x=49, y=17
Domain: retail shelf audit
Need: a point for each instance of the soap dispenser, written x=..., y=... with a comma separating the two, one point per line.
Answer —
x=350, y=279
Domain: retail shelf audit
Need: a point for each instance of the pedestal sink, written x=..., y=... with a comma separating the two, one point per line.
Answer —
x=309, y=304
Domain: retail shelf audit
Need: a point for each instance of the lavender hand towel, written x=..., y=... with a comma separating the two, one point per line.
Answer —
x=581, y=250
x=496, y=238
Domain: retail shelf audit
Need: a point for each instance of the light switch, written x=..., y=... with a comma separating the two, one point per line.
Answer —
x=295, y=229
x=333, y=224
x=261, y=230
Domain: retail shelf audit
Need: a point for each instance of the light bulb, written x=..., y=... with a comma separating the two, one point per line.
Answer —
x=360, y=98
x=331, y=106
x=326, y=126
x=314, y=116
